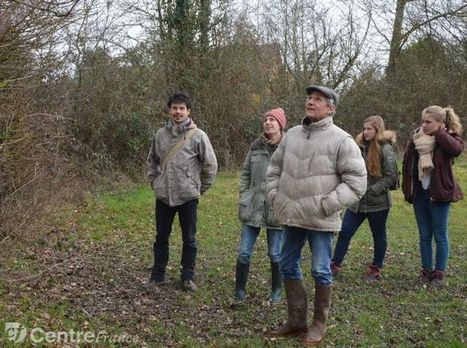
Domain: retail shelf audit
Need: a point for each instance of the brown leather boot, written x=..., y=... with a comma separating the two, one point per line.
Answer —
x=373, y=273
x=296, y=308
x=424, y=276
x=436, y=278
x=322, y=304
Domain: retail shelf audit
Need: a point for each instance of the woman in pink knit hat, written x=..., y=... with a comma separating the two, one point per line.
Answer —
x=253, y=209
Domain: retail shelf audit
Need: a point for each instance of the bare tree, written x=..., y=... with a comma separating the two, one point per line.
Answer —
x=408, y=19
x=33, y=107
x=317, y=44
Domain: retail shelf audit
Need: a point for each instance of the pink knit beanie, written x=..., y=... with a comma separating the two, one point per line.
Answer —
x=279, y=115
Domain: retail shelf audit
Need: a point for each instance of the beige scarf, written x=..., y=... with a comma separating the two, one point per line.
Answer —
x=424, y=144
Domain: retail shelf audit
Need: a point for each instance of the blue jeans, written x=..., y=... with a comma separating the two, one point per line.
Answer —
x=187, y=216
x=350, y=225
x=248, y=240
x=321, y=247
x=432, y=221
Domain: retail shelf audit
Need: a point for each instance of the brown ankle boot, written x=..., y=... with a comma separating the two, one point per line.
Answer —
x=373, y=273
x=436, y=278
x=296, y=308
x=335, y=268
x=425, y=275
x=322, y=304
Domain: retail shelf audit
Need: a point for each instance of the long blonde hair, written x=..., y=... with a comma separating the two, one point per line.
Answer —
x=446, y=116
x=373, y=158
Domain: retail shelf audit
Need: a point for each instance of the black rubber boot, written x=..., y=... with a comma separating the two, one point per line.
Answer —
x=241, y=277
x=276, y=283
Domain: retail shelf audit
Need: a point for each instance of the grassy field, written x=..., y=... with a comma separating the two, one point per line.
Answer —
x=87, y=275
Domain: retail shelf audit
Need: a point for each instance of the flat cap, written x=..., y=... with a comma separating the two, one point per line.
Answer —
x=328, y=92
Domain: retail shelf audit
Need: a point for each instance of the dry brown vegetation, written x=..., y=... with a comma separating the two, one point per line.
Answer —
x=79, y=100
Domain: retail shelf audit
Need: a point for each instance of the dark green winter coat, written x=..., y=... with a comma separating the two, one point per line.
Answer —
x=378, y=196
x=253, y=208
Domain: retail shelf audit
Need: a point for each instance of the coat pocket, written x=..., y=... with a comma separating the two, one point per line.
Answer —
x=193, y=177
x=373, y=200
x=269, y=216
x=159, y=187
x=447, y=180
x=245, y=211
x=188, y=182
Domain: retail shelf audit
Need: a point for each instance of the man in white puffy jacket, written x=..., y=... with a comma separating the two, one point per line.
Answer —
x=316, y=171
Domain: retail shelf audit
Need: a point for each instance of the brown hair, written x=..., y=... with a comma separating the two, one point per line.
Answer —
x=373, y=159
x=446, y=116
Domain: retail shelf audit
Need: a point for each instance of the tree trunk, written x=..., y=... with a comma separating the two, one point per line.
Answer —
x=204, y=22
x=396, y=40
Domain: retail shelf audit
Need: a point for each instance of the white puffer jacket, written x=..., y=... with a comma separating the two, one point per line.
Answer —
x=316, y=171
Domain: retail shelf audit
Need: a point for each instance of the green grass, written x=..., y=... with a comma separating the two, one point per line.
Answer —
x=96, y=258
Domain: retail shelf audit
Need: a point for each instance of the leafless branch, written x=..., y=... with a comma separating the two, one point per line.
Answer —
x=49, y=6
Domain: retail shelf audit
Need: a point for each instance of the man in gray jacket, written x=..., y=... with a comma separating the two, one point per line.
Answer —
x=316, y=171
x=181, y=167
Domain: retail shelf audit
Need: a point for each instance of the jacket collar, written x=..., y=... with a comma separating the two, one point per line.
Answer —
x=321, y=125
x=180, y=129
x=262, y=142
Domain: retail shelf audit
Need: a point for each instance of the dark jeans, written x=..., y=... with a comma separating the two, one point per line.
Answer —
x=165, y=214
x=350, y=225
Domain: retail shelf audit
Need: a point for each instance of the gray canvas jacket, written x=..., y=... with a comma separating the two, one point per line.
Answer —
x=316, y=171
x=378, y=196
x=189, y=173
x=253, y=207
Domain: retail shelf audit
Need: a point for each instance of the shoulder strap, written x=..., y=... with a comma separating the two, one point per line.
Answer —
x=178, y=146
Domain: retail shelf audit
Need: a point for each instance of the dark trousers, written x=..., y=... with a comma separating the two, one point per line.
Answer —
x=165, y=214
x=350, y=224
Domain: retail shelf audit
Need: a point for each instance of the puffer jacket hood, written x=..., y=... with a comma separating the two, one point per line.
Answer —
x=388, y=136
